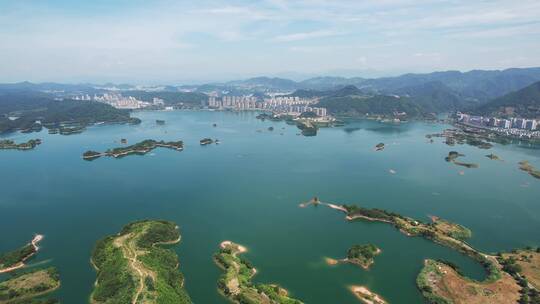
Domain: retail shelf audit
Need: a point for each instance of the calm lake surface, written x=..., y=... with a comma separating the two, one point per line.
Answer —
x=247, y=189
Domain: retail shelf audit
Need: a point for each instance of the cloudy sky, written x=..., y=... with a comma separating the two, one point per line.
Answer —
x=193, y=41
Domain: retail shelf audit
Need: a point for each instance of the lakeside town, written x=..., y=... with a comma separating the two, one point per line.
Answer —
x=514, y=127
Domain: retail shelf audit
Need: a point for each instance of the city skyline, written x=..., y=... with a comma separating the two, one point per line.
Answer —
x=178, y=42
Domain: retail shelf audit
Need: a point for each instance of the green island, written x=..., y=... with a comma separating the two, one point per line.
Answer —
x=8, y=144
x=362, y=255
x=527, y=167
x=133, y=267
x=26, y=286
x=140, y=148
x=512, y=277
x=453, y=156
x=236, y=283
x=13, y=260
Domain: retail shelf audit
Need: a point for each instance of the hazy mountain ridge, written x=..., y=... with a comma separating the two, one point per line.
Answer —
x=523, y=103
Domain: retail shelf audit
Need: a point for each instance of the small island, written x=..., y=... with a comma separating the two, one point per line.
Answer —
x=307, y=127
x=236, y=284
x=133, y=267
x=208, y=141
x=452, y=157
x=367, y=296
x=160, y=122
x=140, y=148
x=493, y=157
x=527, y=167
x=379, y=147
x=8, y=144
x=27, y=286
x=14, y=260
x=361, y=255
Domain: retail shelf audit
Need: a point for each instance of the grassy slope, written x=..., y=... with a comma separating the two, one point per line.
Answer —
x=28, y=285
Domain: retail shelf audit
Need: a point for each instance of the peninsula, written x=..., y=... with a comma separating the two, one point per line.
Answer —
x=236, y=282
x=140, y=148
x=8, y=144
x=15, y=259
x=438, y=281
x=133, y=268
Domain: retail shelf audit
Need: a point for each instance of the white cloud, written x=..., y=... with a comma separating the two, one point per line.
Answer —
x=306, y=35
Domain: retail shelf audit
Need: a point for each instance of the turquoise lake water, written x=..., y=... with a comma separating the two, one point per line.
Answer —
x=247, y=189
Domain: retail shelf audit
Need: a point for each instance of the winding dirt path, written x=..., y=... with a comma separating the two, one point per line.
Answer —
x=129, y=249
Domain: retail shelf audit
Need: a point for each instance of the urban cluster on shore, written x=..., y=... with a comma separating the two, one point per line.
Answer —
x=511, y=127
x=280, y=104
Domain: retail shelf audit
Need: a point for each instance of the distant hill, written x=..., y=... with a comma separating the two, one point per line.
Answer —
x=266, y=82
x=351, y=101
x=327, y=83
x=434, y=97
x=523, y=103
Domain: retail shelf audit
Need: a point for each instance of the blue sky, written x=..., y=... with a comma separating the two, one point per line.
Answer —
x=194, y=41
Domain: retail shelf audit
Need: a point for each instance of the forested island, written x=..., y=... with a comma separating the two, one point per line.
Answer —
x=8, y=144
x=362, y=255
x=236, y=282
x=140, y=148
x=133, y=267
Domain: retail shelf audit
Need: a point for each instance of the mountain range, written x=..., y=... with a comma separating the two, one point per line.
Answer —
x=417, y=94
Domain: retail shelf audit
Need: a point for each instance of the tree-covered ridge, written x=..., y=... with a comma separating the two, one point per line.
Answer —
x=132, y=267
x=377, y=105
x=523, y=103
x=12, y=258
x=236, y=282
x=140, y=148
x=8, y=144
x=21, y=111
